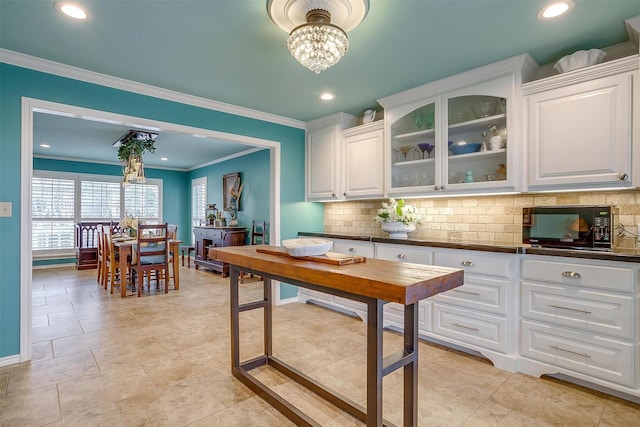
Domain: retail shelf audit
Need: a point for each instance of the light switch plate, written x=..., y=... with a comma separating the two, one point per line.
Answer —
x=5, y=209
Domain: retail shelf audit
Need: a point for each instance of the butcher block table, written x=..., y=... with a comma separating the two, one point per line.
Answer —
x=370, y=281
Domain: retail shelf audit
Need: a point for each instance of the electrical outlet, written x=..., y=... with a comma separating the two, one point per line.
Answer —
x=5, y=209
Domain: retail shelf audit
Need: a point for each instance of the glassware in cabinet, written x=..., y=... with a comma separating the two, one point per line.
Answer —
x=413, y=148
x=477, y=139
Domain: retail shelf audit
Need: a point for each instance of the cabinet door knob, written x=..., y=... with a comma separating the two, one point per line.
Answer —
x=623, y=177
x=352, y=250
x=571, y=274
x=333, y=194
x=402, y=256
x=467, y=263
x=442, y=187
x=344, y=194
x=435, y=187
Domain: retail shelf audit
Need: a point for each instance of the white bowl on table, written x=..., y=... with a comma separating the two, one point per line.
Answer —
x=306, y=247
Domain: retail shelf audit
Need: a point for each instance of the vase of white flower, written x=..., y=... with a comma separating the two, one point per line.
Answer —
x=397, y=218
x=398, y=230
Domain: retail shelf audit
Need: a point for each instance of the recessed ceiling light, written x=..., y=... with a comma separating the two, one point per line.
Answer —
x=45, y=146
x=327, y=96
x=555, y=9
x=164, y=159
x=72, y=10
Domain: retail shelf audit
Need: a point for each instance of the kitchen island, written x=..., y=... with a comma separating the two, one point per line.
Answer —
x=373, y=282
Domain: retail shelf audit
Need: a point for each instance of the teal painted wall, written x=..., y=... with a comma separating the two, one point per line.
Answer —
x=17, y=82
x=254, y=175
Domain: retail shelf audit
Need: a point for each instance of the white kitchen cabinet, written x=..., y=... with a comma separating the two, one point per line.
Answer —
x=579, y=128
x=363, y=161
x=424, y=124
x=324, y=157
x=481, y=314
x=579, y=318
x=394, y=312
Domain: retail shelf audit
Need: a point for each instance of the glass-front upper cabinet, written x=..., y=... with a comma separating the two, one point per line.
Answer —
x=477, y=139
x=454, y=142
x=413, y=145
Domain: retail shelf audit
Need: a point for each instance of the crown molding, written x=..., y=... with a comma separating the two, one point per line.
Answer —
x=581, y=75
x=62, y=70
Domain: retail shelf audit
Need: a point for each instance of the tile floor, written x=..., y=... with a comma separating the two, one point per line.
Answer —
x=163, y=359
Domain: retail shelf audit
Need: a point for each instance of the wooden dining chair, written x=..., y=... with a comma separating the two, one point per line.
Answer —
x=258, y=237
x=100, y=278
x=172, y=234
x=151, y=255
x=111, y=267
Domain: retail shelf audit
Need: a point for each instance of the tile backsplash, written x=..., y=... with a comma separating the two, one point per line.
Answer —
x=496, y=219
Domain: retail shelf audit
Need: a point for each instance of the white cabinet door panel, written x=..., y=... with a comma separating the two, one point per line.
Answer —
x=478, y=293
x=576, y=307
x=599, y=276
x=475, y=328
x=475, y=263
x=581, y=134
x=590, y=354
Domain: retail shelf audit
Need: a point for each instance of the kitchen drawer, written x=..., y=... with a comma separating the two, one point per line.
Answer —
x=480, y=329
x=404, y=253
x=598, y=276
x=590, y=354
x=478, y=293
x=353, y=247
x=394, y=315
x=577, y=307
x=475, y=263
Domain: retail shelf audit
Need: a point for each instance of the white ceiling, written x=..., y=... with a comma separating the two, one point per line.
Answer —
x=230, y=51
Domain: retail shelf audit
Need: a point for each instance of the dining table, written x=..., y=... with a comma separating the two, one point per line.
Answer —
x=124, y=247
x=371, y=281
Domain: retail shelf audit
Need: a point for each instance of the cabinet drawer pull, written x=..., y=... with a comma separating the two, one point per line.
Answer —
x=402, y=256
x=570, y=309
x=352, y=250
x=571, y=274
x=466, y=292
x=467, y=263
x=466, y=327
x=555, y=347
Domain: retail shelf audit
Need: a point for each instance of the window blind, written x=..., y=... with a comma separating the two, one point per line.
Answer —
x=99, y=201
x=198, y=200
x=52, y=213
x=142, y=201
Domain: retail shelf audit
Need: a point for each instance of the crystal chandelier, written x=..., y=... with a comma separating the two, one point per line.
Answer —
x=318, y=44
x=317, y=28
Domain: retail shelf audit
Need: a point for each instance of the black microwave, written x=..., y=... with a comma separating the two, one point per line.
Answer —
x=570, y=227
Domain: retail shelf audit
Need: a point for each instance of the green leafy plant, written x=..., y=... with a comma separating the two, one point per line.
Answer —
x=135, y=146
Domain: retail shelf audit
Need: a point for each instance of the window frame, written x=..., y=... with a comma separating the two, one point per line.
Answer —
x=40, y=254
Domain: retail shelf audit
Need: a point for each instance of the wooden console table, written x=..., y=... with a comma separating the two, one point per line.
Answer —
x=373, y=282
x=206, y=237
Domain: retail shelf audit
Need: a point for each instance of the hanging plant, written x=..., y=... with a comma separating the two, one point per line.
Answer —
x=135, y=146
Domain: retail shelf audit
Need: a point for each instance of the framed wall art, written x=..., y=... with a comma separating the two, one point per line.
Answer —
x=231, y=189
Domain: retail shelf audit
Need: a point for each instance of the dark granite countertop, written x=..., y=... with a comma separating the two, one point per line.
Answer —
x=619, y=254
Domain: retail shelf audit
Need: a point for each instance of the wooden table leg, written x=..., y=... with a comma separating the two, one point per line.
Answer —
x=125, y=253
x=176, y=267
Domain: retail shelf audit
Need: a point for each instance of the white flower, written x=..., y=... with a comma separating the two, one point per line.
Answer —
x=398, y=211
